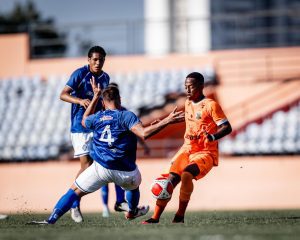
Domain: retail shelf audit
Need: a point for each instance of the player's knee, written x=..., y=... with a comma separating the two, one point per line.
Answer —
x=85, y=162
x=186, y=186
x=186, y=177
x=174, y=178
x=78, y=192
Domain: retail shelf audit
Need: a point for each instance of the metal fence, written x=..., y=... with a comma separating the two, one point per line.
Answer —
x=271, y=28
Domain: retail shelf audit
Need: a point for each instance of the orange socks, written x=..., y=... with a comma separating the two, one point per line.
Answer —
x=159, y=208
x=186, y=190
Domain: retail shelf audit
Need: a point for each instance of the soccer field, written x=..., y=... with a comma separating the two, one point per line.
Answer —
x=217, y=225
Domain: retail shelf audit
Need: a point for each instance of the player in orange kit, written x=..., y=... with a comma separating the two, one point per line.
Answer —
x=205, y=124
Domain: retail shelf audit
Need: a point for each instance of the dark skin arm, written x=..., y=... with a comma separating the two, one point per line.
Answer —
x=65, y=96
x=146, y=132
x=223, y=130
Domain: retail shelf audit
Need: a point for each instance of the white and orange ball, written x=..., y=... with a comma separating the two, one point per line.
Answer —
x=162, y=188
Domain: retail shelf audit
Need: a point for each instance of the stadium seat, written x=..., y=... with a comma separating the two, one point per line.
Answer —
x=35, y=122
x=277, y=134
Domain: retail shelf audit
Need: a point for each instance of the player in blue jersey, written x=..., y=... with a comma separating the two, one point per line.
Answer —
x=79, y=92
x=120, y=204
x=113, y=151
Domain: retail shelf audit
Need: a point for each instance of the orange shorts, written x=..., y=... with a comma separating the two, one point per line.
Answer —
x=183, y=158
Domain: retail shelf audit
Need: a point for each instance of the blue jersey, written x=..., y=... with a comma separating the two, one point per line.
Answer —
x=80, y=83
x=114, y=145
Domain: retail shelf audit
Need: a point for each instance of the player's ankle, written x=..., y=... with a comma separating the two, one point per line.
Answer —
x=178, y=219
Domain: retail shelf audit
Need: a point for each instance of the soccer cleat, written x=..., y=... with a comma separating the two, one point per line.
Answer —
x=178, y=219
x=139, y=211
x=76, y=215
x=121, y=207
x=105, y=212
x=150, y=221
x=44, y=222
x=2, y=216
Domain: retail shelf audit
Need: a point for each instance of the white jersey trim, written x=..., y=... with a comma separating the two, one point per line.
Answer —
x=221, y=122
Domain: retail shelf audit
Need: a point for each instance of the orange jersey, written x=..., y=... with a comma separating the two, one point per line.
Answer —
x=205, y=115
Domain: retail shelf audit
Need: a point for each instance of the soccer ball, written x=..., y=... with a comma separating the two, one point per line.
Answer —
x=162, y=188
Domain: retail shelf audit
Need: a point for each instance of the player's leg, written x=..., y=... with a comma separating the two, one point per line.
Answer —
x=87, y=182
x=104, y=195
x=186, y=190
x=85, y=162
x=179, y=162
x=64, y=203
x=121, y=205
x=200, y=165
x=130, y=182
x=133, y=198
x=161, y=204
x=81, y=144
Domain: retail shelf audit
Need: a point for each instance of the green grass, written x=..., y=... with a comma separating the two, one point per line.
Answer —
x=218, y=225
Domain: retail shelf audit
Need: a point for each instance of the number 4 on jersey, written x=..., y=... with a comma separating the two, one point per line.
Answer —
x=106, y=136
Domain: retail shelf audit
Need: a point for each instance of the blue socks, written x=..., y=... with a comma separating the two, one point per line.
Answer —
x=76, y=203
x=133, y=198
x=120, y=193
x=63, y=205
x=104, y=194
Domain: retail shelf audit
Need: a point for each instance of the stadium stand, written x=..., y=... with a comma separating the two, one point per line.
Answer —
x=35, y=123
x=277, y=134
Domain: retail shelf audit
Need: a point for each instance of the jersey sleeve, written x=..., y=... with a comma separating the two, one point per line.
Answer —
x=89, y=122
x=74, y=80
x=106, y=80
x=217, y=113
x=129, y=119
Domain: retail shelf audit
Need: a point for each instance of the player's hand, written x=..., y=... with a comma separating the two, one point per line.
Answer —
x=209, y=137
x=96, y=87
x=176, y=117
x=85, y=103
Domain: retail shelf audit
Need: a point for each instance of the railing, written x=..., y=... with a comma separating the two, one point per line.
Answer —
x=228, y=31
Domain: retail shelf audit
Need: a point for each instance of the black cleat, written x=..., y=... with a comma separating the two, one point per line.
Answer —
x=178, y=219
x=150, y=221
x=121, y=207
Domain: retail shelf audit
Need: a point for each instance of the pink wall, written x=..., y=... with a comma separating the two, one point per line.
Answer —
x=14, y=55
x=237, y=183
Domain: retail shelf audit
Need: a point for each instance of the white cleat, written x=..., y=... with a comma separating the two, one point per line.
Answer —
x=140, y=211
x=105, y=212
x=2, y=216
x=76, y=215
x=44, y=222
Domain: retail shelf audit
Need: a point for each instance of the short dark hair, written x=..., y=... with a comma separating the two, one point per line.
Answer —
x=113, y=84
x=111, y=93
x=198, y=76
x=96, y=49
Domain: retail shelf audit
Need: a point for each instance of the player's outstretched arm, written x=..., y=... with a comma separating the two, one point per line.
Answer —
x=65, y=96
x=146, y=132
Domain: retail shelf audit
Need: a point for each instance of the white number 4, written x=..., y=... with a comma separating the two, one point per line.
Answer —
x=106, y=136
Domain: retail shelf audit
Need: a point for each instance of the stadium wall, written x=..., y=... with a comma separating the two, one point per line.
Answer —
x=237, y=183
